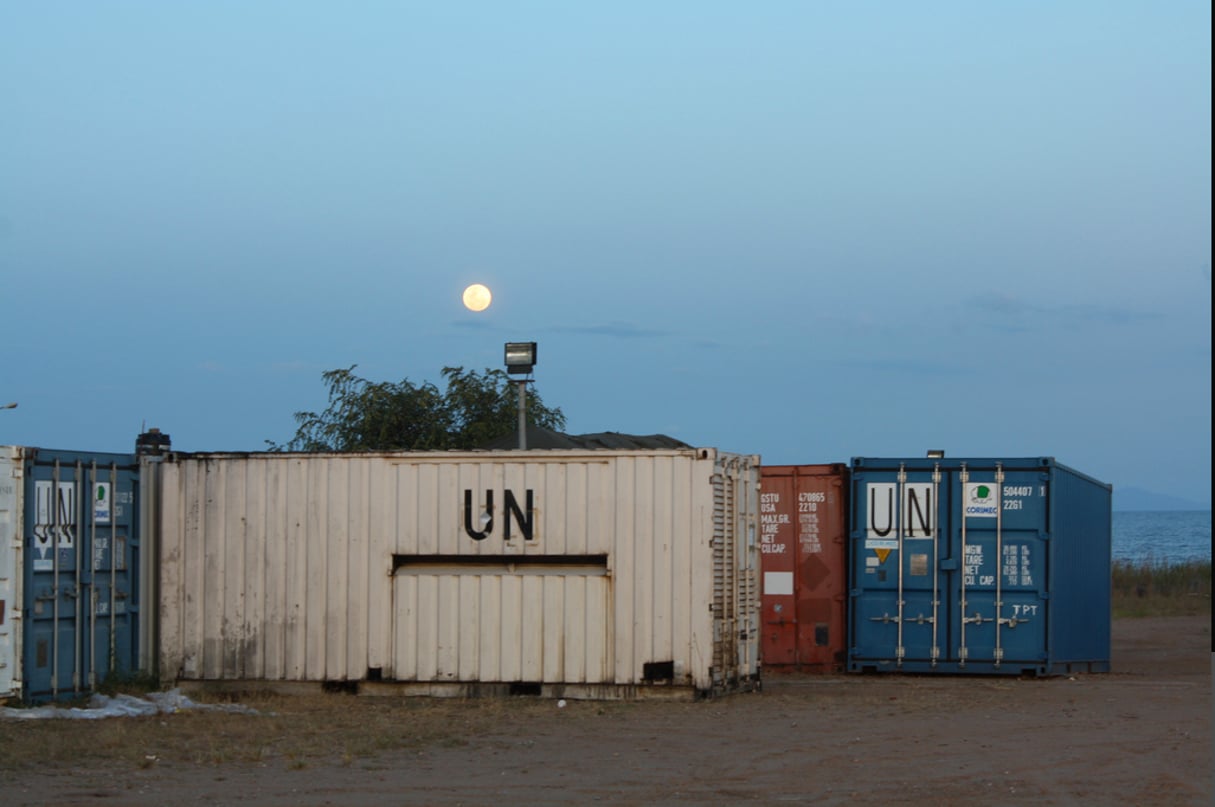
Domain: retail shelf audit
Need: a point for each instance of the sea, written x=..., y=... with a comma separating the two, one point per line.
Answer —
x=1162, y=536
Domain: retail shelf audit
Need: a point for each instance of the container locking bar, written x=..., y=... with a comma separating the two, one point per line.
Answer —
x=886, y=619
x=113, y=572
x=76, y=619
x=936, y=557
x=55, y=527
x=899, y=650
x=963, y=478
x=999, y=652
x=92, y=576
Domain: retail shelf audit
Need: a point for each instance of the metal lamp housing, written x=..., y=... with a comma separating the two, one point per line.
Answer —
x=520, y=357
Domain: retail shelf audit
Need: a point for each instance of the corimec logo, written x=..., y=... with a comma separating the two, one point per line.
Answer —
x=980, y=500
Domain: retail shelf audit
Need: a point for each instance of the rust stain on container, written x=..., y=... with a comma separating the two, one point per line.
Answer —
x=803, y=523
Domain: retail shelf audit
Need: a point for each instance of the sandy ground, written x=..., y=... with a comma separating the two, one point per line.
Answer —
x=1138, y=735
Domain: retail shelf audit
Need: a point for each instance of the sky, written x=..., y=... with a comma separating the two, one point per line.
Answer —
x=809, y=231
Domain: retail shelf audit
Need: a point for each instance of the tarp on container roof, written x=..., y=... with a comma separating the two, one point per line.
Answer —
x=537, y=437
x=628, y=441
x=540, y=437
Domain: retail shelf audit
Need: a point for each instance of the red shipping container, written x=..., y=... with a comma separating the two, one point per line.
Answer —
x=803, y=543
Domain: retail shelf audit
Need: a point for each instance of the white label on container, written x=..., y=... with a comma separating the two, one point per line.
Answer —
x=54, y=516
x=913, y=518
x=778, y=583
x=101, y=503
x=980, y=500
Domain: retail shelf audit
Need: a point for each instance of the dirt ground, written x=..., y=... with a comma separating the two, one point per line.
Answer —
x=1138, y=735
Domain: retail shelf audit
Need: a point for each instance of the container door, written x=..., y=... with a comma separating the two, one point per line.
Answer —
x=998, y=594
x=821, y=567
x=777, y=544
x=900, y=608
x=950, y=569
x=81, y=559
x=10, y=571
x=541, y=622
x=802, y=527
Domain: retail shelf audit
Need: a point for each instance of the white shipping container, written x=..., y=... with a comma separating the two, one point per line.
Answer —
x=11, y=567
x=573, y=573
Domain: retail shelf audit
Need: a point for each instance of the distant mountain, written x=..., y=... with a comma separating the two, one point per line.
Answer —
x=1129, y=498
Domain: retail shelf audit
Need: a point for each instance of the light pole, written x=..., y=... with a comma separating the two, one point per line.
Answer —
x=520, y=358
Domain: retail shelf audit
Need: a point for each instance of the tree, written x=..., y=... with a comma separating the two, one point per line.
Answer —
x=397, y=416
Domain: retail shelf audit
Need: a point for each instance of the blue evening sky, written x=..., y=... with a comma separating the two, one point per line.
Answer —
x=806, y=230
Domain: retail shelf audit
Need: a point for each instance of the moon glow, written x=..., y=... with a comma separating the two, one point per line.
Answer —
x=477, y=297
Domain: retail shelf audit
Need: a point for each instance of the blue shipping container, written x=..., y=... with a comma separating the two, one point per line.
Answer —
x=70, y=605
x=997, y=566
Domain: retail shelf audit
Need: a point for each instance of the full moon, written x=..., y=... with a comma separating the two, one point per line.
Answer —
x=477, y=297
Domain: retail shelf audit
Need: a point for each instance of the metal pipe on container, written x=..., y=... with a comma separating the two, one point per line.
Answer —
x=999, y=651
x=936, y=537
x=900, y=650
x=76, y=614
x=55, y=527
x=113, y=568
x=964, y=478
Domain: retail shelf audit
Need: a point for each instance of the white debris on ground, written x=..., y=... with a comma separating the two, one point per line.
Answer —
x=100, y=706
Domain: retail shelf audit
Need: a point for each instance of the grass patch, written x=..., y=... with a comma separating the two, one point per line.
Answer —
x=292, y=732
x=1150, y=588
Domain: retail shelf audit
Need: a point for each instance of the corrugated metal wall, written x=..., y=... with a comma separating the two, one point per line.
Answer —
x=596, y=567
x=11, y=570
x=1081, y=568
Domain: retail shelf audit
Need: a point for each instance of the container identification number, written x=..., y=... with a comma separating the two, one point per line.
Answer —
x=1011, y=491
x=770, y=523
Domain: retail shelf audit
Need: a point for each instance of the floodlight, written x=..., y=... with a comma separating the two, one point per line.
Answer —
x=520, y=357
